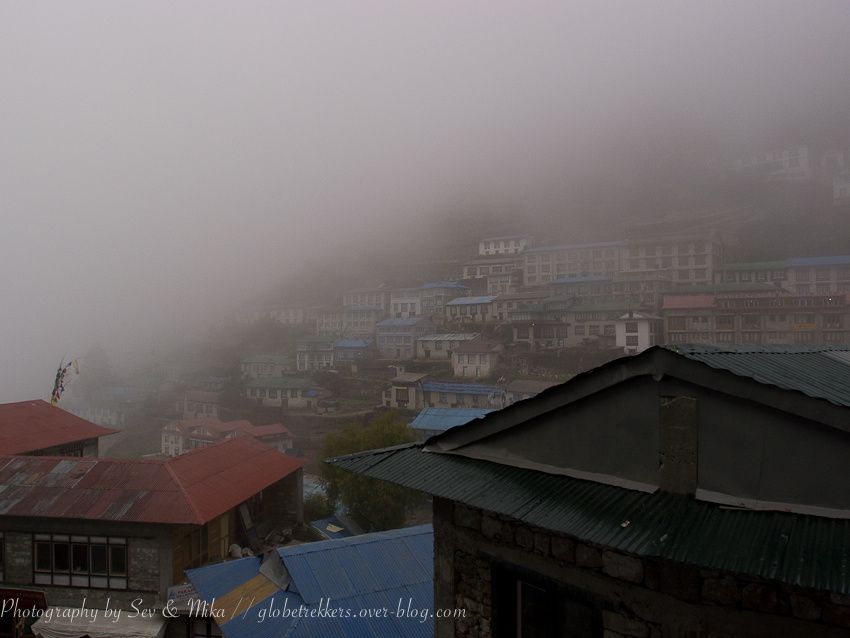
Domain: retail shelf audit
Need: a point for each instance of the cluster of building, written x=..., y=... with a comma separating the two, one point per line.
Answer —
x=620, y=296
x=75, y=526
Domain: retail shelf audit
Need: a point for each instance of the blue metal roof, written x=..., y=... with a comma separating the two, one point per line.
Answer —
x=322, y=524
x=581, y=280
x=441, y=419
x=370, y=571
x=461, y=388
x=467, y=301
x=410, y=321
x=831, y=260
x=353, y=343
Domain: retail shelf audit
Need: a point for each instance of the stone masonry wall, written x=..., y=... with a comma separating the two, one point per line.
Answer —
x=637, y=597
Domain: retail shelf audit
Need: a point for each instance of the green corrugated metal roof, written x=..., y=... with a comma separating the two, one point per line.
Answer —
x=802, y=550
x=820, y=372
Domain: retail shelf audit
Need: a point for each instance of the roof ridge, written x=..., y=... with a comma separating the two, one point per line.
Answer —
x=179, y=483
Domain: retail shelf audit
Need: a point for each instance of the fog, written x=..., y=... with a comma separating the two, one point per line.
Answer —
x=162, y=163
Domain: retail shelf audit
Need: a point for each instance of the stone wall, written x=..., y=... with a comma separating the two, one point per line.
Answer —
x=633, y=597
x=148, y=558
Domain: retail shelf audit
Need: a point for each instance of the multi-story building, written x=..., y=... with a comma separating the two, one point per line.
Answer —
x=508, y=245
x=405, y=391
x=440, y=346
x=283, y=392
x=396, y=338
x=469, y=309
x=360, y=321
x=684, y=260
x=435, y=295
x=115, y=530
x=757, y=318
x=38, y=428
x=267, y=365
x=628, y=289
x=504, y=304
x=495, y=266
x=375, y=297
x=315, y=353
x=787, y=164
x=179, y=437
x=405, y=303
x=544, y=264
x=637, y=331
x=329, y=322
x=802, y=275
x=199, y=403
x=504, y=283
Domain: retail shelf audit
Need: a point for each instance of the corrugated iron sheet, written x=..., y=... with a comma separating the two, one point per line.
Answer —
x=366, y=572
x=193, y=488
x=808, y=551
x=28, y=426
x=818, y=372
x=441, y=419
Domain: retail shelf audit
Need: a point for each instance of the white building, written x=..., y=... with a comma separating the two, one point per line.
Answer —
x=509, y=245
x=316, y=353
x=636, y=331
x=793, y=163
x=405, y=303
x=266, y=365
x=469, y=309
x=476, y=359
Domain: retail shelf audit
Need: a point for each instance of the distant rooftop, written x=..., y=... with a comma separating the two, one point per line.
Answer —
x=451, y=336
x=396, y=321
x=462, y=388
x=28, y=426
x=441, y=419
x=468, y=301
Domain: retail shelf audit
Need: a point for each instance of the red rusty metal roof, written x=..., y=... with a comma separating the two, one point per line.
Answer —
x=192, y=488
x=685, y=302
x=28, y=426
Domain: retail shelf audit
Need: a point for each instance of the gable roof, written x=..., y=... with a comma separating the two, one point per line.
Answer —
x=192, y=488
x=813, y=382
x=28, y=426
x=469, y=301
x=359, y=572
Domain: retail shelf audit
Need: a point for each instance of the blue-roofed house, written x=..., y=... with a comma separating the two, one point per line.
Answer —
x=375, y=581
x=439, y=347
x=432, y=421
x=396, y=337
x=462, y=395
x=436, y=294
x=470, y=309
x=348, y=351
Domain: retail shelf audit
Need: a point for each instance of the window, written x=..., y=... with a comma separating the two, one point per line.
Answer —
x=631, y=341
x=80, y=561
x=676, y=323
x=527, y=605
x=631, y=326
x=608, y=330
x=593, y=329
x=579, y=330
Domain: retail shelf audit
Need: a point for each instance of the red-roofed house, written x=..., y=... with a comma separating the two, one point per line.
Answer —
x=36, y=428
x=127, y=528
x=181, y=436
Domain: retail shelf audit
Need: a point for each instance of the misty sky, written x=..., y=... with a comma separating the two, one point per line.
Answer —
x=160, y=161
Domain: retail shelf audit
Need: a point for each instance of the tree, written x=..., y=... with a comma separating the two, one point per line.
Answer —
x=375, y=505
